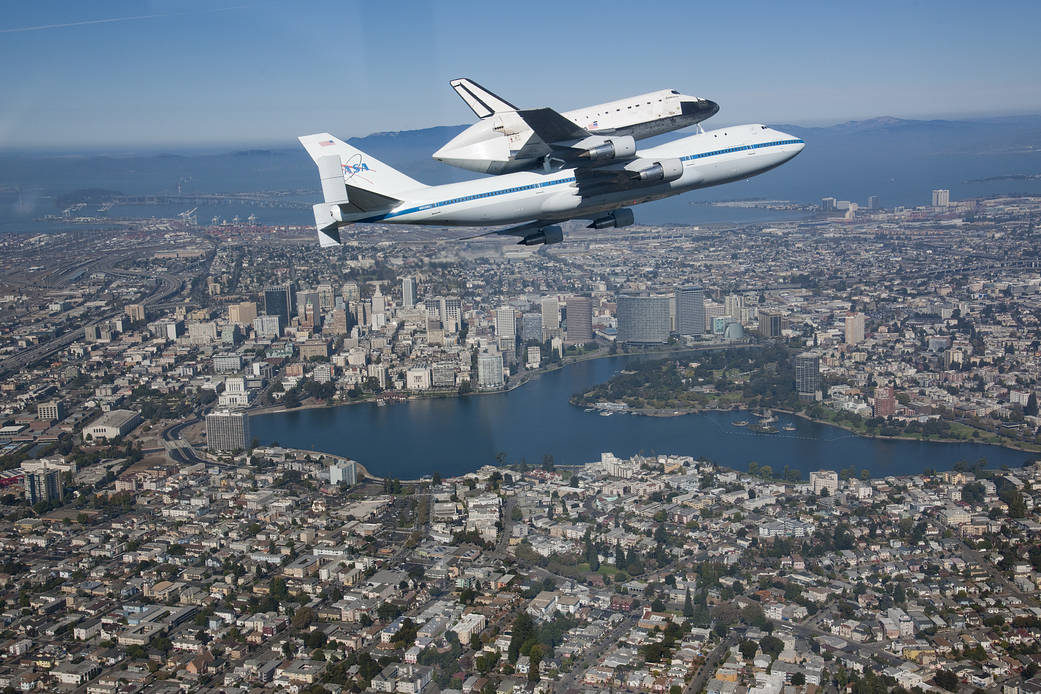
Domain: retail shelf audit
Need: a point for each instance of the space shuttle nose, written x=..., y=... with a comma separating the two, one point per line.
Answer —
x=700, y=109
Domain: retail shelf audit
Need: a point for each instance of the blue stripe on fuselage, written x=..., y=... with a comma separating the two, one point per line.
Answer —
x=570, y=179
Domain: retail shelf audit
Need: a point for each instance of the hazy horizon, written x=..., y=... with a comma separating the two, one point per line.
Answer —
x=201, y=148
x=164, y=74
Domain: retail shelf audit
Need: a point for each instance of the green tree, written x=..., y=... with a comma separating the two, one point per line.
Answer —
x=748, y=648
x=771, y=645
x=688, y=605
x=535, y=654
x=302, y=617
x=523, y=631
x=973, y=493
x=947, y=679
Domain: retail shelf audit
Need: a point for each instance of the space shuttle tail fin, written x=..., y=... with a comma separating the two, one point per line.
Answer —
x=482, y=101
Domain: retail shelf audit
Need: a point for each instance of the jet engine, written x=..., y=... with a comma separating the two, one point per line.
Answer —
x=607, y=150
x=617, y=219
x=547, y=235
x=663, y=171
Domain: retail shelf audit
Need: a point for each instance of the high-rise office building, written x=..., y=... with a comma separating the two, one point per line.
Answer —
x=807, y=375
x=267, y=327
x=136, y=312
x=531, y=327
x=505, y=323
x=326, y=297
x=885, y=401
x=580, y=319
x=941, y=198
x=343, y=472
x=279, y=301
x=489, y=370
x=43, y=485
x=643, y=319
x=53, y=411
x=690, y=311
x=824, y=479
x=242, y=313
x=338, y=323
x=451, y=310
x=408, y=293
x=828, y=204
x=874, y=203
x=732, y=305
x=769, y=323
x=305, y=298
x=712, y=312
x=227, y=430
x=550, y=317
x=854, y=328
x=379, y=302
x=350, y=292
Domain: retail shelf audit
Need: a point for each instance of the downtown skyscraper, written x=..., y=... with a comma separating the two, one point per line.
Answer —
x=690, y=311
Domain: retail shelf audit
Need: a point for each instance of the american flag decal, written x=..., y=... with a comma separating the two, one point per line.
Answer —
x=326, y=143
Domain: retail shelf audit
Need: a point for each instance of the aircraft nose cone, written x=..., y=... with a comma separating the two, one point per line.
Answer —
x=701, y=109
x=792, y=143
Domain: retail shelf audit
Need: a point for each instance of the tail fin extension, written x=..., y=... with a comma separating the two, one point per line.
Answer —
x=482, y=101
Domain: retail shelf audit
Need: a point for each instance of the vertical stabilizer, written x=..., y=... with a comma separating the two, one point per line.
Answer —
x=482, y=101
x=354, y=185
x=360, y=170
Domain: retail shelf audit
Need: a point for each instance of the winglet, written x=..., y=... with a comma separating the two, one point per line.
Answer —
x=482, y=101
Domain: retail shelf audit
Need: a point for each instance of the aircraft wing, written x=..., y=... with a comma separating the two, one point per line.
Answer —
x=519, y=230
x=550, y=126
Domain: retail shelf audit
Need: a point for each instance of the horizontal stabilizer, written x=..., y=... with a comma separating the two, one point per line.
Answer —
x=482, y=101
x=369, y=201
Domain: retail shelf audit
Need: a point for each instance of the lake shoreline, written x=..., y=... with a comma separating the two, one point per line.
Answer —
x=673, y=412
x=456, y=436
x=526, y=378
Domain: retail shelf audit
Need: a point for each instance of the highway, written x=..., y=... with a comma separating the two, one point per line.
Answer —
x=167, y=286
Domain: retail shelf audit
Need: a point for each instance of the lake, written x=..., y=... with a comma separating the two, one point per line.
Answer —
x=454, y=436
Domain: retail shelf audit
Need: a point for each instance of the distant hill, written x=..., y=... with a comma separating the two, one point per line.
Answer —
x=900, y=160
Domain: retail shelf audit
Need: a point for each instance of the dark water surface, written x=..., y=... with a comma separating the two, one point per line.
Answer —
x=458, y=435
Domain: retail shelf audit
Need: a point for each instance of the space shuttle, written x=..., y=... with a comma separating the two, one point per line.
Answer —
x=508, y=139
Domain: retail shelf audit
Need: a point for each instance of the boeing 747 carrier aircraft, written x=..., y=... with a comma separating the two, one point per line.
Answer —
x=358, y=188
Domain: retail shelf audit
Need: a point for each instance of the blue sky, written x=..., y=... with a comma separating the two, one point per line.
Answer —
x=131, y=74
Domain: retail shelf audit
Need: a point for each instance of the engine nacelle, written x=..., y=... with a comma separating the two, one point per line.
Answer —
x=547, y=235
x=617, y=219
x=622, y=147
x=662, y=171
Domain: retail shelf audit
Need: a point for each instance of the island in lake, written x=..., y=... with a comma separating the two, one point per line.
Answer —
x=763, y=380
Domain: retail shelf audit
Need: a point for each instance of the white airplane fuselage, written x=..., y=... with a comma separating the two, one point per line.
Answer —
x=710, y=158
